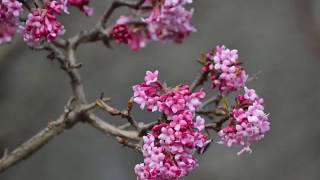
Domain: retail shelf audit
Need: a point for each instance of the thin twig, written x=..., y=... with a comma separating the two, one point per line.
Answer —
x=254, y=76
x=116, y=4
x=211, y=100
x=108, y=129
x=129, y=144
x=199, y=80
x=115, y=112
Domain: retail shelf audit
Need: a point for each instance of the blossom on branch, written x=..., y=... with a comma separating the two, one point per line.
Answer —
x=166, y=21
x=156, y=96
x=10, y=11
x=42, y=23
x=83, y=5
x=248, y=122
x=126, y=31
x=168, y=150
x=226, y=72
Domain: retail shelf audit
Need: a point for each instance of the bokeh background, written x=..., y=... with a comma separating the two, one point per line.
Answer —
x=279, y=37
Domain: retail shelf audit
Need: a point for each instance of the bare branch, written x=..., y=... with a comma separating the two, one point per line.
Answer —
x=129, y=144
x=76, y=82
x=115, y=112
x=116, y=4
x=199, y=80
x=213, y=99
x=254, y=76
x=109, y=129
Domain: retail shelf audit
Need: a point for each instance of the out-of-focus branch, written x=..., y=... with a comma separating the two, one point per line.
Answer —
x=254, y=76
x=116, y=4
x=199, y=80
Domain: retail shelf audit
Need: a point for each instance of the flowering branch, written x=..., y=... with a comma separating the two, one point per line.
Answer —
x=170, y=142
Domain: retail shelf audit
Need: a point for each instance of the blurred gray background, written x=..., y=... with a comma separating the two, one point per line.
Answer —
x=279, y=37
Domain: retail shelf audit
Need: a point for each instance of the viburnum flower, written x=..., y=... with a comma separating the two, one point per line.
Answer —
x=168, y=150
x=248, y=124
x=155, y=96
x=168, y=3
x=10, y=10
x=83, y=5
x=225, y=70
x=7, y=32
x=136, y=35
x=167, y=21
x=42, y=23
x=172, y=24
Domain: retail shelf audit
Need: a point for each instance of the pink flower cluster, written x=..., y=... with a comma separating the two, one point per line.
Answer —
x=10, y=10
x=225, y=70
x=167, y=21
x=42, y=23
x=83, y=5
x=155, y=96
x=248, y=123
x=171, y=23
x=135, y=35
x=168, y=150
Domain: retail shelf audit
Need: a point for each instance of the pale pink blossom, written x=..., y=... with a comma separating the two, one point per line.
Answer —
x=226, y=72
x=171, y=24
x=10, y=11
x=151, y=77
x=248, y=124
x=167, y=21
x=169, y=148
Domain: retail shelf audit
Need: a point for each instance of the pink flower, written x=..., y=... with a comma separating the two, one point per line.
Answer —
x=227, y=74
x=248, y=124
x=169, y=101
x=169, y=3
x=135, y=35
x=169, y=148
x=42, y=24
x=171, y=24
x=10, y=10
x=151, y=77
x=7, y=32
x=167, y=21
x=200, y=123
x=83, y=5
